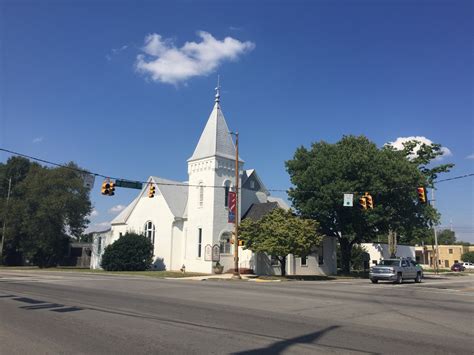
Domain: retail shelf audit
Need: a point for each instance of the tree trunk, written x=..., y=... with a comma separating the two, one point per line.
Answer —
x=346, y=251
x=283, y=265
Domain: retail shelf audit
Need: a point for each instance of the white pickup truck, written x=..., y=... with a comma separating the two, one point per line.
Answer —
x=396, y=270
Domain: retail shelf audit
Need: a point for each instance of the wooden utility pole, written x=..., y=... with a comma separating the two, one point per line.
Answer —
x=4, y=228
x=236, y=218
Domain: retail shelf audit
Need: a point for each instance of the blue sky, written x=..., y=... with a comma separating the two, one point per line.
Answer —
x=114, y=87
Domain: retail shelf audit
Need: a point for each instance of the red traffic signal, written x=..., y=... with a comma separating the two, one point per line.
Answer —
x=421, y=194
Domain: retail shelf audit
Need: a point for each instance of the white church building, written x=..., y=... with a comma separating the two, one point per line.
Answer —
x=185, y=219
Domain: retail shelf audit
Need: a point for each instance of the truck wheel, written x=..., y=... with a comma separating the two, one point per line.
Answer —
x=418, y=277
x=374, y=281
x=399, y=278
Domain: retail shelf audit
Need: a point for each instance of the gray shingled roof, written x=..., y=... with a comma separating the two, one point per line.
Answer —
x=215, y=138
x=175, y=194
x=259, y=210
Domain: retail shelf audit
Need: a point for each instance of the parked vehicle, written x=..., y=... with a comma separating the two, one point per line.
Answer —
x=468, y=266
x=457, y=267
x=396, y=270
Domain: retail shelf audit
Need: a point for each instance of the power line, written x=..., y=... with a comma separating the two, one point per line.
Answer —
x=190, y=185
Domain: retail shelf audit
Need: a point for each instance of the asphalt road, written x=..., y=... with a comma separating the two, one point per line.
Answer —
x=58, y=312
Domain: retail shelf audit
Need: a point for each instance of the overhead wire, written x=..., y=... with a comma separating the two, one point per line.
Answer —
x=83, y=171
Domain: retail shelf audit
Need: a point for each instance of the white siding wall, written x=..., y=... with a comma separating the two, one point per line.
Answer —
x=379, y=251
x=212, y=217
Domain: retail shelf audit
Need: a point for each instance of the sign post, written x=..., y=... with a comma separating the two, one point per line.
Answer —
x=208, y=253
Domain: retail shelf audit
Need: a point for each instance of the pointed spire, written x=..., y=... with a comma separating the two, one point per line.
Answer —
x=218, y=94
x=215, y=139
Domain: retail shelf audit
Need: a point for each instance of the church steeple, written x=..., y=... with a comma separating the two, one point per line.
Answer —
x=215, y=139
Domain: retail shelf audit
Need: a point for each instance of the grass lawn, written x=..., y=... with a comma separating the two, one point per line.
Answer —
x=156, y=274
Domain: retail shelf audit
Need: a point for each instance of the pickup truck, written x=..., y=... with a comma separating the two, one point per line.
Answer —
x=396, y=270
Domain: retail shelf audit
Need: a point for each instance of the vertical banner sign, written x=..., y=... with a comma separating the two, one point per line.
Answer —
x=232, y=205
x=348, y=200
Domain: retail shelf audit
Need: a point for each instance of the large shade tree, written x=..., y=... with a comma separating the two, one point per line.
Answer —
x=47, y=206
x=323, y=173
x=280, y=233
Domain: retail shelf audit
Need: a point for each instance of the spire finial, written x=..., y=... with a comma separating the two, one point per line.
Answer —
x=218, y=95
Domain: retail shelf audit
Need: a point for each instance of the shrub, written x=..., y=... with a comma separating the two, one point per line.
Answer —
x=131, y=252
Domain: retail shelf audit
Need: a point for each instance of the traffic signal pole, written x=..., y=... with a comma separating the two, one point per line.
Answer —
x=4, y=228
x=436, y=258
x=236, y=219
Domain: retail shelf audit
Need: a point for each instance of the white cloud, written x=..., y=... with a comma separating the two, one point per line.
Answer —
x=162, y=61
x=38, y=140
x=398, y=144
x=116, y=209
x=470, y=156
x=115, y=51
x=94, y=213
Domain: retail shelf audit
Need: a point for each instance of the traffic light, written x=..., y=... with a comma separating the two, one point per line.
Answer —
x=363, y=203
x=111, y=189
x=421, y=194
x=151, y=192
x=108, y=188
x=369, y=200
x=241, y=243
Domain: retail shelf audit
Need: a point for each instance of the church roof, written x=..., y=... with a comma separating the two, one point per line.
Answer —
x=175, y=194
x=123, y=216
x=258, y=210
x=215, y=139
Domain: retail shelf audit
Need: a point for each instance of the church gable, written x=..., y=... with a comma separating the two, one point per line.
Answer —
x=251, y=181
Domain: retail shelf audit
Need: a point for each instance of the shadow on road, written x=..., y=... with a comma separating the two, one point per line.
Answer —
x=280, y=346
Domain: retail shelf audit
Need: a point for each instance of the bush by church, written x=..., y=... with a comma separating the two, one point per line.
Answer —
x=131, y=252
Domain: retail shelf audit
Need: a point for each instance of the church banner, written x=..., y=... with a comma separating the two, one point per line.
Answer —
x=232, y=205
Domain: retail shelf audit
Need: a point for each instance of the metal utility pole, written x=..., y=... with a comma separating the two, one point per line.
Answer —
x=435, y=233
x=4, y=228
x=236, y=221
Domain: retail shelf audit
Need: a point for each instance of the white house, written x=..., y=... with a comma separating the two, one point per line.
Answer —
x=380, y=251
x=184, y=218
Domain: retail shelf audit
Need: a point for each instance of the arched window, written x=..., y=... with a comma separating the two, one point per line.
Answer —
x=150, y=231
x=201, y=194
x=226, y=193
x=224, y=243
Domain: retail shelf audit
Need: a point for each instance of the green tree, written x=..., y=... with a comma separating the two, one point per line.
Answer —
x=468, y=257
x=280, y=233
x=322, y=174
x=445, y=237
x=131, y=252
x=47, y=206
